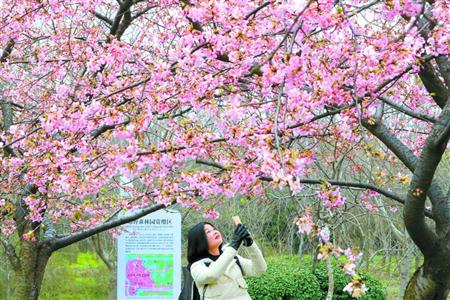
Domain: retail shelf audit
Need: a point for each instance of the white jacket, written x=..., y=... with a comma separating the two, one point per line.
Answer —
x=223, y=277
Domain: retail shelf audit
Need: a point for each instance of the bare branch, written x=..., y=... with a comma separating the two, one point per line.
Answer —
x=422, y=183
x=123, y=9
x=210, y=163
x=103, y=18
x=392, y=142
x=444, y=67
x=104, y=128
x=321, y=116
x=22, y=137
x=408, y=111
x=398, y=76
x=7, y=51
x=10, y=253
x=218, y=140
x=443, y=138
x=131, y=86
x=76, y=237
x=143, y=12
x=126, y=21
x=256, y=10
x=433, y=84
x=348, y=184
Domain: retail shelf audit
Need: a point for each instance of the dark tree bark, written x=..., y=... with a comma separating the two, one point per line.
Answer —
x=432, y=279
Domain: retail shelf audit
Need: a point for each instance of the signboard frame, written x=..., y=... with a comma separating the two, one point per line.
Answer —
x=149, y=257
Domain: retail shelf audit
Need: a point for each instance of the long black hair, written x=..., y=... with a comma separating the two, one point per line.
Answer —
x=198, y=243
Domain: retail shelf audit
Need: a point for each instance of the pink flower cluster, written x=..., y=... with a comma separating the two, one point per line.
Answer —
x=199, y=99
x=331, y=196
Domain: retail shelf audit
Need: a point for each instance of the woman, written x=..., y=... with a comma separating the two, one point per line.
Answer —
x=218, y=271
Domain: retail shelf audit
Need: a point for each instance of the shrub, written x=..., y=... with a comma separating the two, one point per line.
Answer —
x=288, y=279
x=284, y=280
x=340, y=281
x=375, y=290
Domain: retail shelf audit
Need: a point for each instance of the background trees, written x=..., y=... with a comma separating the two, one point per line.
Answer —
x=132, y=96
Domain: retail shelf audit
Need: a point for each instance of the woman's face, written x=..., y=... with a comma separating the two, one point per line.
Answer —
x=213, y=236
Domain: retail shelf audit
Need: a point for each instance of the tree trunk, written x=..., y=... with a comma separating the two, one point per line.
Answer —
x=28, y=276
x=112, y=293
x=405, y=267
x=417, y=259
x=330, y=280
x=423, y=287
x=300, y=246
x=389, y=263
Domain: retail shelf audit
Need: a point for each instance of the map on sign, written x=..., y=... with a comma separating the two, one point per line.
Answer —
x=149, y=275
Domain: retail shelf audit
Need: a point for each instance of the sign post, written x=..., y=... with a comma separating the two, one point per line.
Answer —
x=149, y=257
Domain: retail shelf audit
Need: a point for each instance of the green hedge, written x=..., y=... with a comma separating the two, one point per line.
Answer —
x=375, y=289
x=288, y=279
x=283, y=281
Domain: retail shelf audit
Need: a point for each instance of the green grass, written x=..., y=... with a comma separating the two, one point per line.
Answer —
x=389, y=278
x=75, y=276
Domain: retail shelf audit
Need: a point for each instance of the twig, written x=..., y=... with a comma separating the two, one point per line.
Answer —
x=408, y=111
x=256, y=10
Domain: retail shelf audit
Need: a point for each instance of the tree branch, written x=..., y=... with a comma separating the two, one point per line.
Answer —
x=22, y=137
x=210, y=163
x=321, y=116
x=256, y=10
x=421, y=183
x=103, y=18
x=426, y=58
x=433, y=84
x=218, y=140
x=194, y=24
x=7, y=114
x=408, y=111
x=360, y=185
x=392, y=142
x=123, y=8
x=167, y=116
x=126, y=21
x=443, y=137
x=142, y=12
x=444, y=67
x=11, y=254
x=131, y=86
x=65, y=241
x=7, y=51
x=49, y=231
x=100, y=251
x=104, y=128
x=288, y=32
x=408, y=158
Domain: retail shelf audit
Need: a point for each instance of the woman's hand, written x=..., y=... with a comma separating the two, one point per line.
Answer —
x=248, y=241
x=240, y=233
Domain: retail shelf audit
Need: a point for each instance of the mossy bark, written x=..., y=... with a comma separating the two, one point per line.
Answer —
x=28, y=275
x=423, y=286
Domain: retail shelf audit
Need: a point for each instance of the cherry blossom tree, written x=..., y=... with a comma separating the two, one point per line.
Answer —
x=134, y=105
